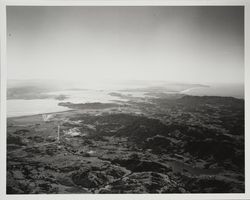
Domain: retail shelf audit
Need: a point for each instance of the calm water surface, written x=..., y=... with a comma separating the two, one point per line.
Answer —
x=19, y=107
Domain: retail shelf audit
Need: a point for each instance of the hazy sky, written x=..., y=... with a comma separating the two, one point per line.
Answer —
x=184, y=44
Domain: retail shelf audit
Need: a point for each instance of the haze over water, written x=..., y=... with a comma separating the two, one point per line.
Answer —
x=101, y=93
x=149, y=44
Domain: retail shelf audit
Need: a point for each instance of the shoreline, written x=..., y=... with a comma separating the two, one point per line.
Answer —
x=193, y=88
x=181, y=92
x=78, y=142
x=35, y=115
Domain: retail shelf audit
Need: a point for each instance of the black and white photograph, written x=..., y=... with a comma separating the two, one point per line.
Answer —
x=125, y=99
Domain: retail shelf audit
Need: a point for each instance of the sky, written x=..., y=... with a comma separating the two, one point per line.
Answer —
x=183, y=44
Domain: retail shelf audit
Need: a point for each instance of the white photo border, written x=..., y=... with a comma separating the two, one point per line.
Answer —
x=3, y=79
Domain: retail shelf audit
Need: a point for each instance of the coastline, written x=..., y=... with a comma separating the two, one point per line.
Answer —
x=90, y=137
x=184, y=92
x=36, y=115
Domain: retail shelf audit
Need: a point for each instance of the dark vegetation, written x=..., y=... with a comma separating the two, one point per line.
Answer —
x=184, y=145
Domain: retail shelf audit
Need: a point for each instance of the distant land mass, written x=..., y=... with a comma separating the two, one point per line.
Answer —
x=32, y=92
x=28, y=90
x=95, y=105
